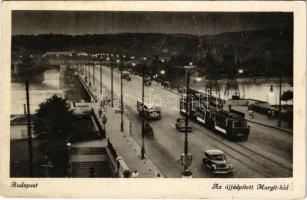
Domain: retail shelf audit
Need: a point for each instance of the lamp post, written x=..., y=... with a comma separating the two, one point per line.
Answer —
x=111, y=81
x=121, y=97
x=186, y=158
x=162, y=72
x=100, y=70
x=241, y=71
x=88, y=68
x=143, y=114
x=93, y=62
x=279, y=106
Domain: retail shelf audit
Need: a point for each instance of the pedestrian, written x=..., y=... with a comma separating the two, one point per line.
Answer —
x=135, y=174
x=269, y=114
x=229, y=106
x=251, y=114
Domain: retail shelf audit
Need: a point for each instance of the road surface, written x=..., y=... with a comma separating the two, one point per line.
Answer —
x=267, y=152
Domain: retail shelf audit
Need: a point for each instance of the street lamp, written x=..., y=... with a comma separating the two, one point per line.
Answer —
x=121, y=96
x=88, y=68
x=162, y=72
x=100, y=70
x=186, y=158
x=93, y=61
x=279, y=106
x=143, y=114
x=111, y=79
x=241, y=71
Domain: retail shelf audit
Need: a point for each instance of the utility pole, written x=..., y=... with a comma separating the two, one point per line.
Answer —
x=88, y=67
x=121, y=99
x=100, y=69
x=279, y=107
x=186, y=158
x=111, y=82
x=93, y=61
x=29, y=130
x=186, y=117
x=143, y=114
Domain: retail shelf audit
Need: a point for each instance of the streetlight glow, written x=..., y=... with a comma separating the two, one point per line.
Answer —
x=162, y=72
x=198, y=79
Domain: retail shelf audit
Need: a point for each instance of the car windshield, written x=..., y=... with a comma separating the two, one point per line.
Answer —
x=217, y=157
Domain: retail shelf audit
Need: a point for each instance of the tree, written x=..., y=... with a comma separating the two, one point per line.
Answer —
x=53, y=118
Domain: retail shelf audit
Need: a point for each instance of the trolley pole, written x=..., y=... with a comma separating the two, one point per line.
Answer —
x=29, y=130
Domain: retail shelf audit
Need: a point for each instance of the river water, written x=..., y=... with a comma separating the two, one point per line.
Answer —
x=258, y=90
x=49, y=82
x=41, y=86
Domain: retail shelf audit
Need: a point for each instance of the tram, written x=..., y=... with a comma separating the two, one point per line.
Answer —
x=230, y=123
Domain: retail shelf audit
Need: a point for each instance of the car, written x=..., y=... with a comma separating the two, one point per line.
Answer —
x=148, y=131
x=186, y=174
x=180, y=125
x=147, y=83
x=216, y=161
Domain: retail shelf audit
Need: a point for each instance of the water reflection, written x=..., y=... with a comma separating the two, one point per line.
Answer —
x=42, y=85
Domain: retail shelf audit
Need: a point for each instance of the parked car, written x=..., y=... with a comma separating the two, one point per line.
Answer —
x=180, y=125
x=261, y=107
x=216, y=161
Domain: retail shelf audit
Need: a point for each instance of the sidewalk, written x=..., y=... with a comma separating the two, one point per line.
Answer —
x=262, y=119
x=125, y=144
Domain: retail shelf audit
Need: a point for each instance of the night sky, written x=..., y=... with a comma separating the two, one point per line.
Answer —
x=94, y=22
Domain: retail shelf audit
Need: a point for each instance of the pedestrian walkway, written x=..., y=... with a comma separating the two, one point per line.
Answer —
x=125, y=144
x=262, y=119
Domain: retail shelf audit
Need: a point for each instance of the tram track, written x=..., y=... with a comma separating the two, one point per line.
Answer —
x=253, y=156
x=263, y=164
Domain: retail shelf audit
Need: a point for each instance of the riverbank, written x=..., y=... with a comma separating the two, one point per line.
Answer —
x=19, y=152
